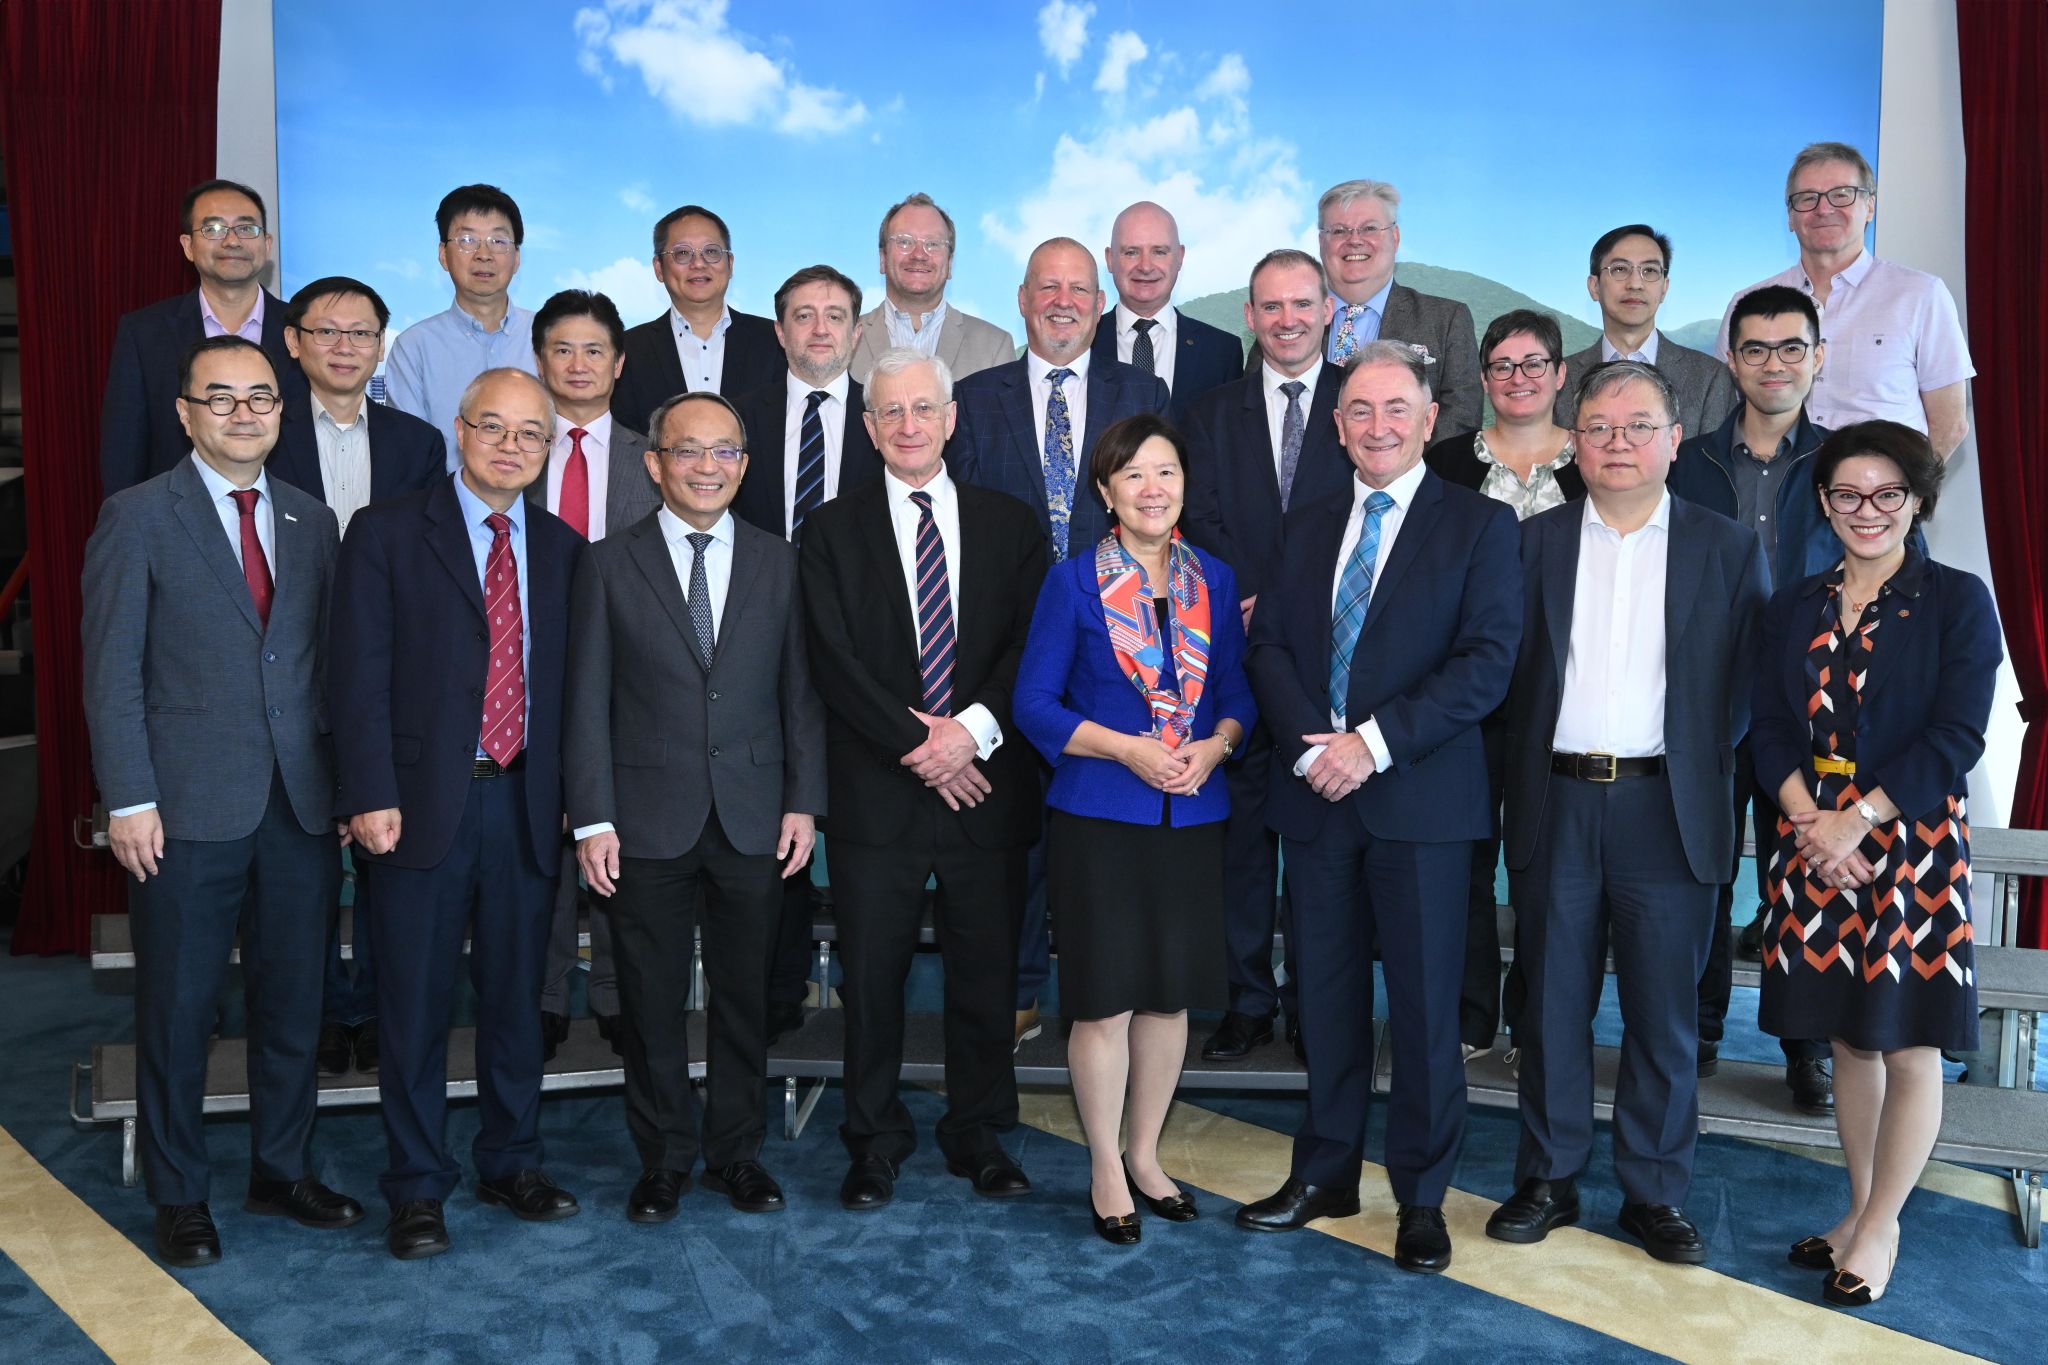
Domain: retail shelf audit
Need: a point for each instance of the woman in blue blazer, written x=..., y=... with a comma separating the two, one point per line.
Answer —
x=1133, y=687
x=1870, y=705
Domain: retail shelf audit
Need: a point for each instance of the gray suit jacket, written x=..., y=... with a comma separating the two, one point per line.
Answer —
x=966, y=344
x=192, y=702
x=652, y=743
x=1445, y=327
x=629, y=493
x=1705, y=390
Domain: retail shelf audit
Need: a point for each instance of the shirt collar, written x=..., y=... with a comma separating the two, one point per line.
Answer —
x=1126, y=322
x=206, y=313
x=1377, y=303
x=1038, y=368
x=1661, y=518
x=718, y=328
x=475, y=509
x=320, y=411
x=892, y=316
x=597, y=431
x=1401, y=490
x=941, y=488
x=1271, y=379
x=1555, y=463
x=218, y=487
x=464, y=319
x=798, y=389
x=677, y=532
x=1608, y=350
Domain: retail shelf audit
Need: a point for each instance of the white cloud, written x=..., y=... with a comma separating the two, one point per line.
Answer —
x=1063, y=31
x=703, y=71
x=628, y=282
x=1231, y=80
x=1124, y=50
x=636, y=197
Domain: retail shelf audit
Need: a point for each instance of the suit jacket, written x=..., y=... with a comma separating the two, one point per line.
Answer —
x=653, y=743
x=140, y=435
x=654, y=372
x=629, y=494
x=967, y=344
x=409, y=660
x=762, y=492
x=405, y=453
x=864, y=651
x=1207, y=358
x=996, y=442
x=1445, y=327
x=1233, y=480
x=1454, y=461
x=1433, y=659
x=192, y=701
x=1704, y=388
x=1713, y=596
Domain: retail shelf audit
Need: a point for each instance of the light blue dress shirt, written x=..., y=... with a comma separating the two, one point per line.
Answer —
x=433, y=361
x=474, y=512
x=1367, y=328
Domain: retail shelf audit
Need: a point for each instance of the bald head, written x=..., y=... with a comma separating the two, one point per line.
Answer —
x=1060, y=299
x=1144, y=257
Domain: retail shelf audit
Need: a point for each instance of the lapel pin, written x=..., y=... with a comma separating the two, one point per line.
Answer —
x=1904, y=612
x=289, y=517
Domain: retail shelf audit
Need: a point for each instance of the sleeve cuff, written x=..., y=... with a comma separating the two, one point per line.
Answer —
x=582, y=832
x=980, y=723
x=1377, y=743
x=131, y=810
x=1308, y=758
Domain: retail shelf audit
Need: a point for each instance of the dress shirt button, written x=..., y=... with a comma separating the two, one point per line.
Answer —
x=714, y=696
x=714, y=751
x=276, y=711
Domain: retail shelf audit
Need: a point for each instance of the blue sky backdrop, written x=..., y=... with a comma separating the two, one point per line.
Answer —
x=1516, y=133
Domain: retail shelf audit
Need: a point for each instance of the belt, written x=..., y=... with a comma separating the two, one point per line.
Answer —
x=490, y=767
x=1835, y=767
x=1604, y=767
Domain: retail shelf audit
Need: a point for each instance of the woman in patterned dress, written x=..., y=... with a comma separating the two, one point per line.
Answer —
x=1872, y=694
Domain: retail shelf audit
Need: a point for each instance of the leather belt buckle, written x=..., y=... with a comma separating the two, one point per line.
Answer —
x=485, y=767
x=1611, y=769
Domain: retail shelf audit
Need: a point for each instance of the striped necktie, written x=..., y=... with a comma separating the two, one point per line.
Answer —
x=934, y=612
x=504, y=716
x=1354, y=595
x=810, y=464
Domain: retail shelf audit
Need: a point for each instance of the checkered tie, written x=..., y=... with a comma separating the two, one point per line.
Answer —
x=810, y=464
x=1059, y=462
x=1141, y=349
x=1354, y=594
x=504, y=716
x=700, y=600
x=934, y=612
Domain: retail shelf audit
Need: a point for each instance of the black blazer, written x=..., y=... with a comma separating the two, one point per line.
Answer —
x=864, y=654
x=1445, y=327
x=407, y=666
x=406, y=454
x=1208, y=358
x=1453, y=460
x=1233, y=481
x=140, y=436
x=1714, y=590
x=654, y=374
x=764, y=412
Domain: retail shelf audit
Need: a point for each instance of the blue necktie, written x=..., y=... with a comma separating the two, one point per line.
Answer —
x=810, y=464
x=934, y=612
x=1354, y=594
x=1059, y=462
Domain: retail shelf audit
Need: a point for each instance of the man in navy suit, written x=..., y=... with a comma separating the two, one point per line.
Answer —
x=1387, y=637
x=223, y=232
x=1028, y=429
x=447, y=671
x=1144, y=256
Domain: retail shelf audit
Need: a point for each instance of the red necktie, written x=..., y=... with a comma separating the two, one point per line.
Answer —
x=255, y=568
x=574, y=504
x=504, y=718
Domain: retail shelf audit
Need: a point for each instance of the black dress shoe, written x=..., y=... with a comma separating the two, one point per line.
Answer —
x=1750, y=942
x=1812, y=1082
x=366, y=1047
x=531, y=1195
x=995, y=1176
x=1812, y=1253
x=1666, y=1233
x=750, y=1188
x=1236, y=1036
x=1423, y=1244
x=1710, y=1058
x=1118, y=1229
x=784, y=1020
x=306, y=1202
x=654, y=1196
x=608, y=1029
x=554, y=1031
x=870, y=1183
x=1294, y=1039
x=1175, y=1208
x=1537, y=1208
x=332, y=1054
x=185, y=1235
x=416, y=1230
x=1295, y=1205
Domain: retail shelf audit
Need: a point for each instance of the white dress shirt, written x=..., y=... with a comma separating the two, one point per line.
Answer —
x=1276, y=403
x=919, y=331
x=1076, y=390
x=977, y=719
x=1613, y=694
x=703, y=358
x=831, y=416
x=1165, y=340
x=1647, y=352
x=344, y=460
x=597, y=461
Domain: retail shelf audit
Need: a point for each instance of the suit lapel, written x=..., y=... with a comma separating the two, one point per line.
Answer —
x=1015, y=401
x=1685, y=564
x=949, y=343
x=1103, y=392
x=649, y=552
x=626, y=462
x=450, y=541
x=1416, y=524
x=1398, y=322
x=746, y=568
x=202, y=522
x=1257, y=443
x=1325, y=533
x=298, y=444
x=879, y=527
x=1560, y=582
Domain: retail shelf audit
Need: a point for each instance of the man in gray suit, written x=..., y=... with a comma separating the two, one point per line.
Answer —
x=694, y=751
x=205, y=627
x=917, y=242
x=1628, y=276
x=597, y=482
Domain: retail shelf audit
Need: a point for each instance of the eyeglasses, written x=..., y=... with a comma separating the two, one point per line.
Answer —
x=1637, y=433
x=1338, y=232
x=1841, y=196
x=1760, y=352
x=692, y=454
x=1849, y=501
x=902, y=243
x=326, y=337
x=712, y=254
x=467, y=244
x=492, y=433
x=1536, y=366
x=259, y=403
x=923, y=412
x=1619, y=271
x=213, y=230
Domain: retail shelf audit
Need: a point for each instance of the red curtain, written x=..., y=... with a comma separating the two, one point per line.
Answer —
x=2004, y=54
x=107, y=110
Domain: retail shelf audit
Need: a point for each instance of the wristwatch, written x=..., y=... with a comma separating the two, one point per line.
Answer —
x=1228, y=747
x=1867, y=811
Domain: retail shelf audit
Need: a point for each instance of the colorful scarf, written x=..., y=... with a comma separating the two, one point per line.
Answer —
x=1134, y=631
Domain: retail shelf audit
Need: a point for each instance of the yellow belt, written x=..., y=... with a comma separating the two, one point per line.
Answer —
x=1835, y=767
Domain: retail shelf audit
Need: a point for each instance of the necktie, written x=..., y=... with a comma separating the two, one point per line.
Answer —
x=1059, y=462
x=1354, y=594
x=810, y=464
x=700, y=600
x=1291, y=424
x=574, y=504
x=255, y=567
x=1345, y=344
x=504, y=717
x=934, y=612
x=1141, y=349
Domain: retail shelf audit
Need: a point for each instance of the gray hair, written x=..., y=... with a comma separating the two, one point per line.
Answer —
x=1343, y=196
x=467, y=403
x=897, y=359
x=660, y=414
x=1288, y=255
x=1815, y=152
x=1408, y=355
x=1614, y=374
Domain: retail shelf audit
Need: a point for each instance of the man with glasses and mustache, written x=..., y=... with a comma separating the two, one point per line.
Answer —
x=917, y=242
x=1896, y=349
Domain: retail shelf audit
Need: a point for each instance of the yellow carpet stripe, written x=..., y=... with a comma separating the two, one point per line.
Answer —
x=128, y=1304
x=1691, y=1313
x=1940, y=1177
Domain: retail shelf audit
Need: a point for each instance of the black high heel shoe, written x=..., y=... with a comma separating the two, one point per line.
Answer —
x=1845, y=1289
x=1119, y=1229
x=1175, y=1208
x=1812, y=1253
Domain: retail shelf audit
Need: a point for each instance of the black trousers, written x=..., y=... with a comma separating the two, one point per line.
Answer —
x=879, y=893
x=1251, y=871
x=789, y=974
x=278, y=886
x=1480, y=1014
x=603, y=992
x=654, y=915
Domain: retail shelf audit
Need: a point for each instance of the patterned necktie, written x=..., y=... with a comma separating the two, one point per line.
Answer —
x=1354, y=594
x=810, y=464
x=1059, y=462
x=504, y=722
x=934, y=612
x=1345, y=344
x=255, y=568
x=574, y=504
x=1291, y=423
x=700, y=600
x=1141, y=349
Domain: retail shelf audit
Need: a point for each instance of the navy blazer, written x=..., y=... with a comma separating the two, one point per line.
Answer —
x=1205, y=358
x=140, y=435
x=1070, y=674
x=405, y=453
x=764, y=414
x=408, y=662
x=1433, y=660
x=1926, y=700
x=995, y=444
x=654, y=372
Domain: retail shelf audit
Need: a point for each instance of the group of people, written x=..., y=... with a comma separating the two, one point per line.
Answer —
x=634, y=613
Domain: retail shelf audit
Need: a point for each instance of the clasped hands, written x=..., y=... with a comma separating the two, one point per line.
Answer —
x=945, y=761
x=1342, y=767
x=1177, y=772
x=1830, y=841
